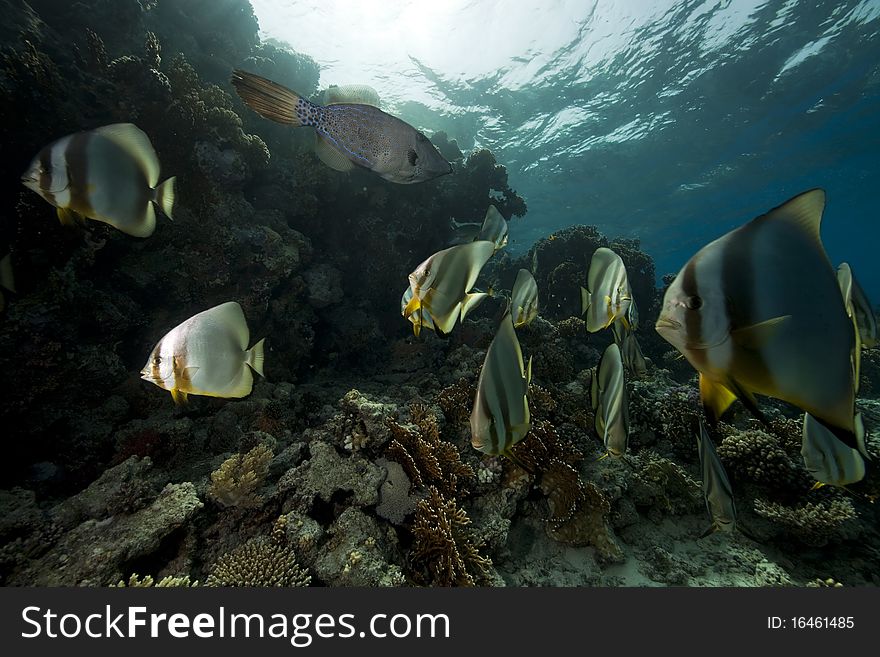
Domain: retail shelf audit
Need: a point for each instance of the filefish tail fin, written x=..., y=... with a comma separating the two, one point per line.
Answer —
x=165, y=196
x=518, y=463
x=269, y=99
x=255, y=357
x=179, y=396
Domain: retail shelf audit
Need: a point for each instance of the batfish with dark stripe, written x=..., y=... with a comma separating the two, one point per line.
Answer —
x=610, y=402
x=759, y=311
x=524, y=298
x=716, y=486
x=206, y=355
x=110, y=174
x=500, y=417
x=442, y=285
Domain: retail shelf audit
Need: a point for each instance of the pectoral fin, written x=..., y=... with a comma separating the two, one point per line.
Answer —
x=585, y=300
x=68, y=217
x=414, y=304
x=757, y=335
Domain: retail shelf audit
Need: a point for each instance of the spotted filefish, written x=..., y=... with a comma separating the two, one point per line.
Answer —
x=349, y=134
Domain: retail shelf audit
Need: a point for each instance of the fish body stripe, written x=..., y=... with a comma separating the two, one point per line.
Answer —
x=76, y=157
x=694, y=321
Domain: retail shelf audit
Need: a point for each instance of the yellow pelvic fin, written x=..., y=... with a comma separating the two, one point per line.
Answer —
x=414, y=304
x=68, y=217
x=417, y=324
x=757, y=335
x=604, y=456
x=818, y=485
x=716, y=397
x=179, y=396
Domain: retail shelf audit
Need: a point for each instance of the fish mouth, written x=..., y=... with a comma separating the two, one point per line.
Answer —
x=666, y=324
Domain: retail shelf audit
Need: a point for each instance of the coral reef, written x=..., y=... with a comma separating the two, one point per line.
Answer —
x=814, y=523
x=428, y=459
x=136, y=581
x=350, y=463
x=259, y=562
x=236, y=481
x=443, y=552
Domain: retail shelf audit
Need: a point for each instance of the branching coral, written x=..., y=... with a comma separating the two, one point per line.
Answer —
x=236, y=482
x=136, y=581
x=425, y=456
x=578, y=511
x=814, y=523
x=444, y=553
x=456, y=400
x=258, y=563
x=756, y=456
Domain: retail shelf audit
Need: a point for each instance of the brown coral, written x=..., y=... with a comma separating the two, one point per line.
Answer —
x=427, y=458
x=456, y=400
x=444, y=552
x=236, y=481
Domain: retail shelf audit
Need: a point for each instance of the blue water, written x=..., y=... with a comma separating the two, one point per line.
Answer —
x=668, y=121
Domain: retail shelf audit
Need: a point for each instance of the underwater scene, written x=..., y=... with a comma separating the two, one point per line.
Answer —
x=464, y=293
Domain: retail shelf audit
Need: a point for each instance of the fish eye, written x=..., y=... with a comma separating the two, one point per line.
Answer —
x=694, y=303
x=157, y=360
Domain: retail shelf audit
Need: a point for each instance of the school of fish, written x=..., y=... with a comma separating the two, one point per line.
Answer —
x=758, y=311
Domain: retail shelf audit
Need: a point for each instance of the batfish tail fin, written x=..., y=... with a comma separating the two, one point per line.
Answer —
x=165, y=196
x=255, y=357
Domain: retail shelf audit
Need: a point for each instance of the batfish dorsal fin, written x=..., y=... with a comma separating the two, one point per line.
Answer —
x=804, y=211
x=136, y=143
